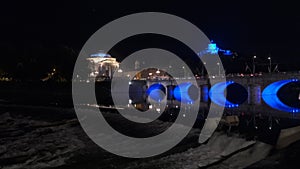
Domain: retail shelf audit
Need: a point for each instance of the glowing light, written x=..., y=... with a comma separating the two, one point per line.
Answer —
x=156, y=92
x=227, y=53
x=212, y=48
x=181, y=93
x=205, y=93
x=269, y=95
x=100, y=54
x=216, y=94
x=158, y=110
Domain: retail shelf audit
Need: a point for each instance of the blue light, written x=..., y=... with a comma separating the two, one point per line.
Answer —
x=227, y=53
x=181, y=93
x=269, y=95
x=156, y=92
x=217, y=96
x=205, y=94
x=212, y=48
x=100, y=54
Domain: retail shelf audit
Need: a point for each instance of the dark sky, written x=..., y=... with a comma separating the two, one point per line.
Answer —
x=249, y=27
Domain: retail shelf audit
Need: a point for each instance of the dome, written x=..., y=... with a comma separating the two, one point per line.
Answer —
x=101, y=54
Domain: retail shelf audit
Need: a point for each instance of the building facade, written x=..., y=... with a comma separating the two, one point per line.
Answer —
x=102, y=65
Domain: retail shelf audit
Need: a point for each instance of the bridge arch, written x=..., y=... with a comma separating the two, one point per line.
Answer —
x=270, y=96
x=186, y=93
x=218, y=96
x=156, y=92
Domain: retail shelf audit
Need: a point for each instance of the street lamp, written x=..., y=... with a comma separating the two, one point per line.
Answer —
x=270, y=67
x=253, y=64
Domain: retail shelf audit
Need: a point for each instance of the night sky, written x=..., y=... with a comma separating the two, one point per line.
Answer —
x=250, y=28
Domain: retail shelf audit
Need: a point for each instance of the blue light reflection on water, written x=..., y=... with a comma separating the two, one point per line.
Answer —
x=270, y=97
x=205, y=92
x=217, y=96
x=181, y=93
x=156, y=92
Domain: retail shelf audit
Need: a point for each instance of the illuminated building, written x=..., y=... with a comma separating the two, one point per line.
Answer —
x=102, y=65
x=213, y=49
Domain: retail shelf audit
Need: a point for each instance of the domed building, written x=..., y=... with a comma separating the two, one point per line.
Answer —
x=102, y=65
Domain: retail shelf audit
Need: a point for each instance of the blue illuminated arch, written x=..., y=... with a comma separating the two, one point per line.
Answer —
x=181, y=93
x=156, y=92
x=217, y=96
x=269, y=95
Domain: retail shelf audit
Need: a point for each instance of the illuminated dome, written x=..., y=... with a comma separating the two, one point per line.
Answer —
x=102, y=64
x=100, y=54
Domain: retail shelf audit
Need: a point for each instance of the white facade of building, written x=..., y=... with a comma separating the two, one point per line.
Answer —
x=102, y=65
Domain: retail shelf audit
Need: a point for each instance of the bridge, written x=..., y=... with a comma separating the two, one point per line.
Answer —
x=253, y=94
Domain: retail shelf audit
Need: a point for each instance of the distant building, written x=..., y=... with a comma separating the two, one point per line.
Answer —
x=213, y=49
x=102, y=65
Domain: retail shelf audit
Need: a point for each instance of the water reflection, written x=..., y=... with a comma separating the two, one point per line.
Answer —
x=270, y=96
x=256, y=116
x=186, y=93
x=156, y=92
x=217, y=94
x=235, y=97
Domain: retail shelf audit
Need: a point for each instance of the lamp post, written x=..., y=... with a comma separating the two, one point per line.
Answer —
x=270, y=62
x=253, y=64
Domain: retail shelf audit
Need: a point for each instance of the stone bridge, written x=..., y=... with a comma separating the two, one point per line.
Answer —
x=254, y=86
